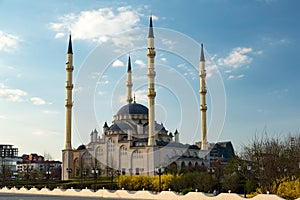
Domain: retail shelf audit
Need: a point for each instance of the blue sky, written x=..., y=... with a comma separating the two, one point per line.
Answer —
x=251, y=48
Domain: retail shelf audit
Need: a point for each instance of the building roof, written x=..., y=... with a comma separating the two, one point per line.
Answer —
x=133, y=108
x=120, y=126
x=222, y=149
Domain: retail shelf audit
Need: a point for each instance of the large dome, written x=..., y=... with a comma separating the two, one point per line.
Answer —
x=134, y=108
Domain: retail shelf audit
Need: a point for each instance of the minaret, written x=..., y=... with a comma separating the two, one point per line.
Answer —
x=69, y=101
x=203, y=106
x=151, y=90
x=67, y=152
x=129, y=82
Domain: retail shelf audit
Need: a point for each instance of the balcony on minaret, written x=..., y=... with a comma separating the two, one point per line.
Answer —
x=151, y=52
x=203, y=107
x=69, y=85
x=203, y=91
x=68, y=104
x=151, y=93
x=69, y=68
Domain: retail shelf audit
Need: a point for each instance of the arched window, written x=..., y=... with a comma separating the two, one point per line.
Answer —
x=110, y=145
x=123, y=151
x=137, y=154
x=99, y=152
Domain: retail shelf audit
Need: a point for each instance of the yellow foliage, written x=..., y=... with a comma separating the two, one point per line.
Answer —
x=286, y=187
x=140, y=182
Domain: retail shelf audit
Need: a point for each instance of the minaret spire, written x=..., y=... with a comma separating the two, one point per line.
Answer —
x=203, y=106
x=70, y=50
x=151, y=89
x=67, y=156
x=129, y=82
x=151, y=34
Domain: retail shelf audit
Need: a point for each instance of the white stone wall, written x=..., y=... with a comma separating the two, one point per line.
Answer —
x=124, y=194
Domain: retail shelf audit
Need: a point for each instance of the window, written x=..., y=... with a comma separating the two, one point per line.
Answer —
x=110, y=145
x=123, y=151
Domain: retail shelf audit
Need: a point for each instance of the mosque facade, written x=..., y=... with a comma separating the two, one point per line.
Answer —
x=134, y=143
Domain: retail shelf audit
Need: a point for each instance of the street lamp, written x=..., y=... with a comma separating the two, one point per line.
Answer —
x=248, y=168
x=84, y=172
x=48, y=174
x=15, y=174
x=130, y=171
x=211, y=171
x=95, y=172
x=28, y=171
x=69, y=170
x=118, y=174
x=159, y=171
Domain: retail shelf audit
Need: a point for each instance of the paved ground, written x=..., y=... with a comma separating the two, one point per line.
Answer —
x=6, y=196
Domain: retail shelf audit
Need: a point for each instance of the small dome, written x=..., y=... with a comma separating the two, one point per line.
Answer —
x=134, y=108
x=81, y=147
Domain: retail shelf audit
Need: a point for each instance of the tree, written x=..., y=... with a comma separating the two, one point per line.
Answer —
x=272, y=158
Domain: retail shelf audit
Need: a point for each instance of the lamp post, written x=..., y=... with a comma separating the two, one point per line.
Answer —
x=15, y=174
x=118, y=174
x=84, y=172
x=69, y=170
x=211, y=171
x=130, y=171
x=95, y=172
x=243, y=172
x=28, y=171
x=159, y=171
x=48, y=174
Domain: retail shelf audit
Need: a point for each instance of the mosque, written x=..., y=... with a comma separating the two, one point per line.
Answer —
x=134, y=143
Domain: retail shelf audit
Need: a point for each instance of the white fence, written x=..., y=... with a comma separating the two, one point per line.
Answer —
x=164, y=195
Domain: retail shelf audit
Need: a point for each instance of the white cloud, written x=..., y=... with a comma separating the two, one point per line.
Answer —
x=211, y=68
x=182, y=65
x=141, y=96
x=140, y=63
x=155, y=18
x=170, y=43
x=8, y=42
x=275, y=41
x=97, y=25
x=237, y=58
x=41, y=132
x=103, y=82
x=163, y=59
x=3, y=117
x=101, y=93
x=118, y=63
x=59, y=35
x=37, y=101
x=10, y=94
x=231, y=77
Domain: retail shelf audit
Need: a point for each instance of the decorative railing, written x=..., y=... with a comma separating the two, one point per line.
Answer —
x=124, y=194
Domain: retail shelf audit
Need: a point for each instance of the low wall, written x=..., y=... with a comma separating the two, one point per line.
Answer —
x=164, y=195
